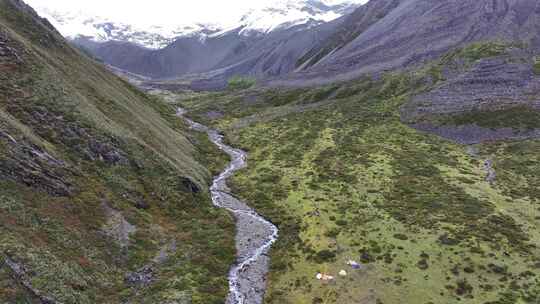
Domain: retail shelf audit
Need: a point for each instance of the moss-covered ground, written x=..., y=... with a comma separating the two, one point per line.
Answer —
x=536, y=66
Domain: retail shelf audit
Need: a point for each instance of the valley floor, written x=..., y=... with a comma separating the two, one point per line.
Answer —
x=427, y=220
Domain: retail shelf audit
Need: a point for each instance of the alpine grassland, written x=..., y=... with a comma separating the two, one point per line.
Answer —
x=345, y=179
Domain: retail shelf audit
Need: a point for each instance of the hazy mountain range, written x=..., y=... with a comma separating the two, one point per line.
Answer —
x=303, y=41
x=281, y=14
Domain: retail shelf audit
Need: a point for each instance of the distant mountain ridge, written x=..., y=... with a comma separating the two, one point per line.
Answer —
x=80, y=25
x=282, y=14
x=299, y=50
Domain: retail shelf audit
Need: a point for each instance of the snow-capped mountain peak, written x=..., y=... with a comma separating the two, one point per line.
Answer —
x=288, y=13
x=272, y=15
x=79, y=24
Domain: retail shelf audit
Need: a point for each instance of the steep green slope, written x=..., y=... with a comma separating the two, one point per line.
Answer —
x=102, y=191
x=430, y=221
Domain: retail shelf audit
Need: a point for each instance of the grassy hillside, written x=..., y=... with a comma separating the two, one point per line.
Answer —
x=343, y=178
x=102, y=189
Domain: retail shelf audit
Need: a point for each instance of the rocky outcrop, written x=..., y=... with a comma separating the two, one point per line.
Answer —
x=7, y=53
x=189, y=185
x=29, y=164
x=485, y=100
x=117, y=227
x=143, y=277
x=20, y=275
x=491, y=174
x=57, y=128
x=147, y=274
x=491, y=84
x=473, y=134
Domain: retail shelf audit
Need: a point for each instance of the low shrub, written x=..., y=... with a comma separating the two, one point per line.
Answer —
x=241, y=83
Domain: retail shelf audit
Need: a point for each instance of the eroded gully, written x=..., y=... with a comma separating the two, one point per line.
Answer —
x=254, y=234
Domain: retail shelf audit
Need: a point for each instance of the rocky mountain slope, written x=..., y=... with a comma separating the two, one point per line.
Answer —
x=416, y=30
x=103, y=190
x=379, y=36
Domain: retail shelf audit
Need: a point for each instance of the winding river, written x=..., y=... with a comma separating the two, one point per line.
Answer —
x=254, y=234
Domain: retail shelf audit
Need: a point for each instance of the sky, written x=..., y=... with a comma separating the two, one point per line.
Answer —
x=162, y=12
